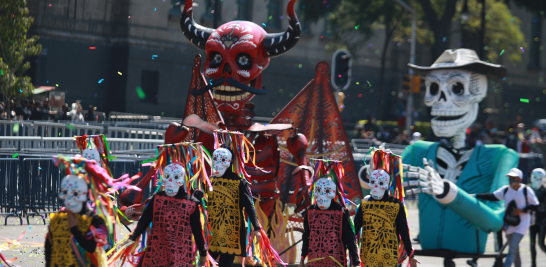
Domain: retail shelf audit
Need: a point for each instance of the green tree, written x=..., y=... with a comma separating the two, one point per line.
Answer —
x=15, y=48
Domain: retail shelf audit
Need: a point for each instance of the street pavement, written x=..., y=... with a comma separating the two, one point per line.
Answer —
x=31, y=251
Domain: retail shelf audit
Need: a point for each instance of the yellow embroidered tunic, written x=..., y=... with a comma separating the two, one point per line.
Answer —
x=379, y=245
x=61, y=250
x=225, y=213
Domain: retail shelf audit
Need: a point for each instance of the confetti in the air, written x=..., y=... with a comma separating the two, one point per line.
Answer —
x=92, y=48
x=119, y=73
x=522, y=50
x=101, y=80
x=16, y=128
x=57, y=84
x=369, y=83
x=502, y=52
x=154, y=56
x=15, y=155
x=356, y=27
x=300, y=66
x=524, y=100
x=140, y=93
x=265, y=26
x=1, y=72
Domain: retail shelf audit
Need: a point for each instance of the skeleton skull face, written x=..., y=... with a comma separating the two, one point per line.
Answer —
x=73, y=192
x=325, y=191
x=379, y=183
x=91, y=154
x=454, y=96
x=175, y=177
x=221, y=160
x=538, y=178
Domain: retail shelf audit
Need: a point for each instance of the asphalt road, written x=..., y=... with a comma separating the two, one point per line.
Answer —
x=31, y=251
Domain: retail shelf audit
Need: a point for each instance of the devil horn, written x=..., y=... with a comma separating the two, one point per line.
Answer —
x=195, y=33
x=278, y=43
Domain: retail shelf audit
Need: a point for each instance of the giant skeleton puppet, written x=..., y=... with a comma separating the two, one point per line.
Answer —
x=446, y=176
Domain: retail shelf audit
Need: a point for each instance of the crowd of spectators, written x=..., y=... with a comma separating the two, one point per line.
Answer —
x=34, y=110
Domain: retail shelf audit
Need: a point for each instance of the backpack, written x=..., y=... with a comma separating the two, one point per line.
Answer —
x=509, y=218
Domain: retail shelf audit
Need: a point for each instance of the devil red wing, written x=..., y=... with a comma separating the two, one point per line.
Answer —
x=315, y=114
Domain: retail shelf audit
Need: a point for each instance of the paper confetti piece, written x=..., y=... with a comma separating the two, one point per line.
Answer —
x=524, y=100
x=356, y=27
x=20, y=90
x=502, y=52
x=264, y=24
x=300, y=66
x=92, y=48
x=522, y=50
x=369, y=83
x=140, y=93
x=101, y=80
x=119, y=73
x=16, y=128
x=57, y=84
x=1, y=72
x=154, y=56
x=15, y=155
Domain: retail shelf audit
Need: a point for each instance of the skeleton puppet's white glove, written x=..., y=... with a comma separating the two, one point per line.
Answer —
x=427, y=180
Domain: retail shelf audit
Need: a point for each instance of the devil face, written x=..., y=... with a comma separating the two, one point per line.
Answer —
x=234, y=52
x=237, y=53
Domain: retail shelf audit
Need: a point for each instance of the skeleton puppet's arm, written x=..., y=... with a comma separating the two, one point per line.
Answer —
x=468, y=207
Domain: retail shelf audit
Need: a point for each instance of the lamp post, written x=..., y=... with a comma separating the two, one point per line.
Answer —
x=409, y=110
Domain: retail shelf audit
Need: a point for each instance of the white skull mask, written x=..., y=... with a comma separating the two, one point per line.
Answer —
x=538, y=178
x=325, y=192
x=91, y=154
x=175, y=177
x=73, y=192
x=221, y=160
x=454, y=96
x=379, y=183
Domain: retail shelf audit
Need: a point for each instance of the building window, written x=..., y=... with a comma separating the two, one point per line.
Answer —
x=274, y=12
x=149, y=81
x=328, y=29
x=244, y=10
x=304, y=24
x=175, y=7
x=536, y=28
x=209, y=5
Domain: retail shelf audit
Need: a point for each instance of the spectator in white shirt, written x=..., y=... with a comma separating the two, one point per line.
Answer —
x=525, y=200
x=76, y=113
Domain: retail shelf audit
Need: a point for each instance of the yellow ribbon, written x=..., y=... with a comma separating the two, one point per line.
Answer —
x=318, y=259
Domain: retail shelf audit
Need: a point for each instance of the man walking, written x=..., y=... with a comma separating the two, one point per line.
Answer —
x=519, y=200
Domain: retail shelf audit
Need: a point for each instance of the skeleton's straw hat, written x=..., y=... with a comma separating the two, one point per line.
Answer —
x=466, y=59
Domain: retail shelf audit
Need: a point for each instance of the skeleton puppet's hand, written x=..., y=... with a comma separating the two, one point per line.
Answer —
x=426, y=179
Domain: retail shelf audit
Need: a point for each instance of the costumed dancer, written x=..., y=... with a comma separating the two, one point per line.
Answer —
x=230, y=201
x=328, y=229
x=382, y=216
x=173, y=215
x=538, y=222
x=95, y=147
x=77, y=233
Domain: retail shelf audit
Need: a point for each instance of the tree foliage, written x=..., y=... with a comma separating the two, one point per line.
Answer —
x=15, y=48
x=502, y=30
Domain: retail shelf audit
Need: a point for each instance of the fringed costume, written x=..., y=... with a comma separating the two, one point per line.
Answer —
x=231, y=203
x=382, y=216
x=81, y=245
x=328, y=230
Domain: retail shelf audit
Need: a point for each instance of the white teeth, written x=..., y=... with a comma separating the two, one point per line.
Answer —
x=210, y=71
x=447, y=113
x=221, y=87
x=238, y=97
x=243, y=73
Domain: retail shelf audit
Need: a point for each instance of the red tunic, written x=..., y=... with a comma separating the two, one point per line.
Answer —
x=325, y=237
x=170, y=241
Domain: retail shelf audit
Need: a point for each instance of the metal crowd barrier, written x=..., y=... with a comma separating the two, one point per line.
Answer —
x=61, y=144
x=53, y=129
x=31, y=184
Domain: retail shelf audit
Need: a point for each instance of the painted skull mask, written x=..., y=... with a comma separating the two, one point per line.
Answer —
x=379, y=183
x=174, y=178
x=236, y=54
x=325, y=192
x=221, y=160
x=454, y=96
x=74, y=193
x=91, y=154
x=538, y=178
